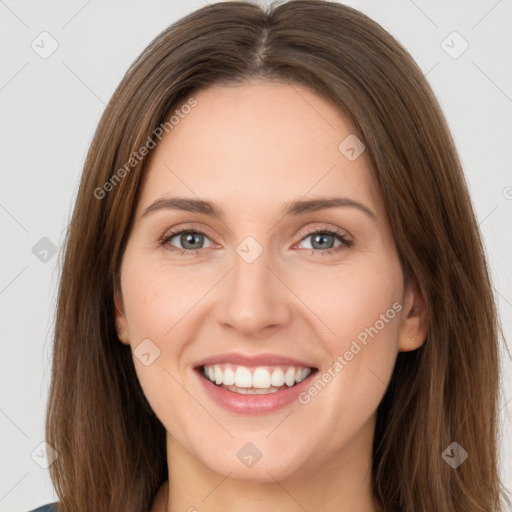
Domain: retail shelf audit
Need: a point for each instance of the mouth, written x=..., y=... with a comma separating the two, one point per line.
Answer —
x=251, y=384
x=255, y=380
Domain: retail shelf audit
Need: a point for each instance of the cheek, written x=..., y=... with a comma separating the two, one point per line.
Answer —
x=156, y=303
x=351, y=299
x=364, y=312
x=157, y=298
x=362, y=308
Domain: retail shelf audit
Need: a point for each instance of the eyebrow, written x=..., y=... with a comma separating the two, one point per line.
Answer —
x=295, y=208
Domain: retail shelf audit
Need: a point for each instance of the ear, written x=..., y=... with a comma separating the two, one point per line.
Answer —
x=414, y=326
x=121, y=323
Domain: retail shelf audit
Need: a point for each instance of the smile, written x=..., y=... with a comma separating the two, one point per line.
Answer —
x=255, y=380
x=249, y=384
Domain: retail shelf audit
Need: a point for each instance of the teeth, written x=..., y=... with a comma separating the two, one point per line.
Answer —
x=228, y=378
x=252, y=391
x=218, y=375
x=259, y=380
x=289, y=376
x=300, y=376
x=243, y=377
x=277, y=377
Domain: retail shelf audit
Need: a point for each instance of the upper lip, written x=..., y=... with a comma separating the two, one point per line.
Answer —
x=253, y=360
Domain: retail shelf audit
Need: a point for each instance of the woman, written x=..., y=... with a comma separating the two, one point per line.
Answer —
x=274, y=292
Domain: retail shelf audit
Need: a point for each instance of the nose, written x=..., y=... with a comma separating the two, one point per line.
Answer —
x=255, y=297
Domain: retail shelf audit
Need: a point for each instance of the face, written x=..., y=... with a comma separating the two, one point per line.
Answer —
x=295, y=311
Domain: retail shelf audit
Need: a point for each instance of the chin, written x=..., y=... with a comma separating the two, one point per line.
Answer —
x=265, y=469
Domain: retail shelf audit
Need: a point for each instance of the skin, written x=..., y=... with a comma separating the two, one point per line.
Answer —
x=251, y=148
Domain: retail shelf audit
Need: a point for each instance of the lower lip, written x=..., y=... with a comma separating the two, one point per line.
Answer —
x=253, y=404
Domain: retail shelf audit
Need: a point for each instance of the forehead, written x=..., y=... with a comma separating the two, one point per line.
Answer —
x=257, y=143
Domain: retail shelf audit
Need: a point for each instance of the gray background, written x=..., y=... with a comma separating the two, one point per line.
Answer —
x=50, y=108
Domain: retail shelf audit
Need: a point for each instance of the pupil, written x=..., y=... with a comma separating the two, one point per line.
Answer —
x=320, y=238
x=189, y=238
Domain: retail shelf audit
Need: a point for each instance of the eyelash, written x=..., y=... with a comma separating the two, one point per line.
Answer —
x=345, y=242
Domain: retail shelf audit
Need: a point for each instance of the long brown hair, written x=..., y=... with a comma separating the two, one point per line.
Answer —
x=111, y=445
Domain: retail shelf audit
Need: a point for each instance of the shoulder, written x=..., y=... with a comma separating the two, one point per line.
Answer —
x=51, y=507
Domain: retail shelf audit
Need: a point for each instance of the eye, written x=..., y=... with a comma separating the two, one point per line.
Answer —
x=190, y=240
x=323, y=239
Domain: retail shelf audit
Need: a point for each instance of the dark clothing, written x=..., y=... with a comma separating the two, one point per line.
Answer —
x=46, y=508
